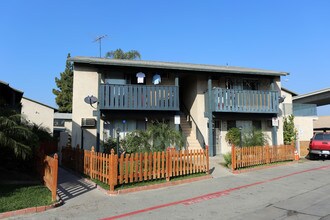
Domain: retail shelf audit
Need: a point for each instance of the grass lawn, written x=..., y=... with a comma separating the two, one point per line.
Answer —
x=14, y=196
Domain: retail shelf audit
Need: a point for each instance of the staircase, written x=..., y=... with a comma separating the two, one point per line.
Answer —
x=190, y=135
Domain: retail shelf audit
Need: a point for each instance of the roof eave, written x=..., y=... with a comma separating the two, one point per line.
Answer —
x=174, y=66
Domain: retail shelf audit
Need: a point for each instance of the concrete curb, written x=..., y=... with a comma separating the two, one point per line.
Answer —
x=30, y=210
x=262, y=167
x=149, y=187
x=160, y=185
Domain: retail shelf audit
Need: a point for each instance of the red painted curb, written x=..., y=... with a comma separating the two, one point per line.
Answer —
x=30, y=210
x=209, y=196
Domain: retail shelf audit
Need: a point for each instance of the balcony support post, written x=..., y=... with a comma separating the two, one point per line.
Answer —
x=210, y=116
x=98, y=115
x=274, y=128
x=178, y=112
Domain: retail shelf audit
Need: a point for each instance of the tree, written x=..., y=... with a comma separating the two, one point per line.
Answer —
x=163, y=136
x=289, y=131
x=157, y=137
x=255, y=138
x=65, y=86
x=120, y=54
x=252, y=138
x=15, y=136
x=233, y=136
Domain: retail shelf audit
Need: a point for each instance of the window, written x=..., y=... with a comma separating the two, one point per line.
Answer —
x=321, y=137
x=256, y=125
x=231, y=124
x=59, y=122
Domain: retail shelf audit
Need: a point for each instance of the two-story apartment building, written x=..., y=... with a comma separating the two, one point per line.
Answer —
x=208, y=99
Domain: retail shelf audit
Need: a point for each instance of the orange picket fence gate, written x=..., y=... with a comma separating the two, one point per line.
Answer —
x=137, y=167
x=47, y=168
x=258, y=155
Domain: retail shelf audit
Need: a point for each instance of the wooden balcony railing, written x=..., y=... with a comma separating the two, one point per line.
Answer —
x=243, y=101
x=139, y=97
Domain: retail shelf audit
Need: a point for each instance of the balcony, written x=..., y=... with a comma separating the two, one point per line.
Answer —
x=139, y=97
x=243, y=101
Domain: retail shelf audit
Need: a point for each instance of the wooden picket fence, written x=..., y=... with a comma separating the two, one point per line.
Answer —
x=51, y=174
x=73, y=158
x=258, y=155
x=137, y=167
x=48, y=147
x=47, y=168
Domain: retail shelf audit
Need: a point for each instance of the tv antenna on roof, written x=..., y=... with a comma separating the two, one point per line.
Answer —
x=99, y=39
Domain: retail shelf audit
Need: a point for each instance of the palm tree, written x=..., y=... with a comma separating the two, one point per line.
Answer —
x=163, y=136
x=157, y=137
x=14, y=135
x=120, y=54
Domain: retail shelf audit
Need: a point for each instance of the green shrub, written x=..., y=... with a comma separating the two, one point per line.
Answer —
x=254, y=138
x=109, y=144
x=137, y=141
x=233, y=136
x=157, y=137
x=289, y=131
x=227, y=158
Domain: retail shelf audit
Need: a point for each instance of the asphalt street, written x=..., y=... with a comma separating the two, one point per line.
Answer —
x=295, y=191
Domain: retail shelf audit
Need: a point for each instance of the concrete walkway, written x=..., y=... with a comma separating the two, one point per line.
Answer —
x=216, y=169
x=71, y=186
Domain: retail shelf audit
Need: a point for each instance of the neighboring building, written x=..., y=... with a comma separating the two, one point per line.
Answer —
x=209, y=100
x=10, y=97
x=322, y=124
x=38, y=113
x=62, y=128
x=315, y=98
x=62, y=122
x=305, y=114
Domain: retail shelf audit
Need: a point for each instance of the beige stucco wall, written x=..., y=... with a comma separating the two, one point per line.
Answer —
x=85, y=83
x=38, y=114
x=68, y=126
x=304, y=126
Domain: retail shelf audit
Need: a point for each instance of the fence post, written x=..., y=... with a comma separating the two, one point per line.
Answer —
x=55, y=175
x=267, y=154
x=92, y=162
x=168, y=164
x=207, y=159
x=233, y=157
x=113, y=177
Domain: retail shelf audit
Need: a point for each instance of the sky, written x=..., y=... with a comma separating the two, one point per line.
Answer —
x=291, y=36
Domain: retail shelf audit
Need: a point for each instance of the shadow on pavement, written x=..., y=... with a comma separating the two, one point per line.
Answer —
x=70, y=186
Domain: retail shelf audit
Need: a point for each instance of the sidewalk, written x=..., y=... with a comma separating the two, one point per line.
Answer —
x=216, y=169
x=70, y=186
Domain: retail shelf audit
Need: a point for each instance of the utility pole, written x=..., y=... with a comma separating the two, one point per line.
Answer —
x=99, y=39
